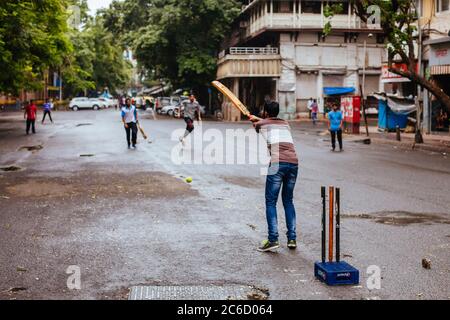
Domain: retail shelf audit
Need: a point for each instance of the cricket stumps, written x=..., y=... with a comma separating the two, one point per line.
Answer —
x=333, y=272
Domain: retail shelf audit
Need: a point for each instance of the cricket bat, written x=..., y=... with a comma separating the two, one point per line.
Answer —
x=230, y=95
x=144, y=135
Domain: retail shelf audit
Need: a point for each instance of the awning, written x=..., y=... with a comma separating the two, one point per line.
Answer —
x=336, y=91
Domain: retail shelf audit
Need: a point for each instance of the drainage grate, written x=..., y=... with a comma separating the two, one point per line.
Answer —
x=10, y=169
x=212, y=292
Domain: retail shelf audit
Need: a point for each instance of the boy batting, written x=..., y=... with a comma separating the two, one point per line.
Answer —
x=282, y=175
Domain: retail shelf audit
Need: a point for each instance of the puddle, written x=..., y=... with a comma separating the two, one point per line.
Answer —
x=32, y=148
x=401, y=218
x=11, y=169
x=102, y=185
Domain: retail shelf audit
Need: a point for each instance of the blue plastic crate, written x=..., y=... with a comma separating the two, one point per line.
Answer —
x=336, y=273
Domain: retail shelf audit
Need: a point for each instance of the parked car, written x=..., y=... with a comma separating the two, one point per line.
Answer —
x=161, y=102
x=109, y=103
x=87, y=103
x=179, y=110
x=168, y=110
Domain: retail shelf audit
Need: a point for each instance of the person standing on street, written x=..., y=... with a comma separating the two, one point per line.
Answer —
x=282, y=175
x=47, y=110
x=191, y=112
x=129, y=119
x=30, y=116
x=335, y=124
x=314, y=111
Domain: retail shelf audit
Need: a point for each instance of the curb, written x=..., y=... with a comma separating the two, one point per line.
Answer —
x=408, y=145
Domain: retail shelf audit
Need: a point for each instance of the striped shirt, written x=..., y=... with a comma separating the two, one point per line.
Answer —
x=277, y=133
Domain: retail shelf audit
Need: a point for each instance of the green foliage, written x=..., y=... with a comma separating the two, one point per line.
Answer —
x=329, y=11
x=176, y=40
x=32, y=39
x=97, y=60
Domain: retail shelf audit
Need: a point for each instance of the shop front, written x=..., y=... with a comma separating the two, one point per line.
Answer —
x=439, y=72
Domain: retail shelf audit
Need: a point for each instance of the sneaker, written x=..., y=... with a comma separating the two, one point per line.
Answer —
x=292, y=244
x=268, y=246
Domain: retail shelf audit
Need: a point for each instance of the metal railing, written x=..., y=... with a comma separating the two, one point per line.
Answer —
x=254, y=50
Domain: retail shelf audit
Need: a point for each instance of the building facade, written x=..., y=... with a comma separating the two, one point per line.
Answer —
x=435, y=22
x=278, y=48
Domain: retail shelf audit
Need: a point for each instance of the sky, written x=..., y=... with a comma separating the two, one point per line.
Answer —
x=94, y=5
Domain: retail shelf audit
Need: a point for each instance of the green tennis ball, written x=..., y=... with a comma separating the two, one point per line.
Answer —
x=189, y=179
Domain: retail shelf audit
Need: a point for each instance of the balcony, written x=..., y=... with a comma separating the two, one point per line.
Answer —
x=288, y=21
x=249, y=62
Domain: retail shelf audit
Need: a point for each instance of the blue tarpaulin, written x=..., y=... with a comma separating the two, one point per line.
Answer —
x=335, y=91
x=387, y=119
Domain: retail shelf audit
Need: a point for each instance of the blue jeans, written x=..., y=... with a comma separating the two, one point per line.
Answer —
x=281, y=176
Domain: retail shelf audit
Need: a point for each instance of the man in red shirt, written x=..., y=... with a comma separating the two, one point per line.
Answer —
x=30, y=116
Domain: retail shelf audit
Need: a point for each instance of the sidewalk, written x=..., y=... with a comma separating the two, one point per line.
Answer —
x=432, y=142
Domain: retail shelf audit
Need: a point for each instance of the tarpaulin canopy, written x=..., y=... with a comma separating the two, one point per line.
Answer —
x=336, y=91
x=401, y=106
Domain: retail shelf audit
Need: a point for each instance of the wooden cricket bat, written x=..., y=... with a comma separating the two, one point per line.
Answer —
x=230, y=95
x=144, y=135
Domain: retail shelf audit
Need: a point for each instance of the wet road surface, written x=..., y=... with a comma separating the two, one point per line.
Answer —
x=128, y=218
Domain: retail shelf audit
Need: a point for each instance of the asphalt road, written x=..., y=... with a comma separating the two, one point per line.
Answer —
x=127, y=217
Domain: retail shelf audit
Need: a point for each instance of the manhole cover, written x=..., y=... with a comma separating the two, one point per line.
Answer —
x=32, y=148
x=212, y=292
x=10, y=168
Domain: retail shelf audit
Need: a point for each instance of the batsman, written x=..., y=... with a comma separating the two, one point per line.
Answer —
x=283, y=169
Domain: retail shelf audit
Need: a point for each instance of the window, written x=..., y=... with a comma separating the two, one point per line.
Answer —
x=442, y=5
x=312, y=7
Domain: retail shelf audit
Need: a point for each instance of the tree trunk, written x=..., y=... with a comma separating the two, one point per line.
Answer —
x=424, y=83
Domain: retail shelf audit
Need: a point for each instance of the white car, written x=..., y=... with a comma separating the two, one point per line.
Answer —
x=109, y=102
x=169, y=110
x=87, y=103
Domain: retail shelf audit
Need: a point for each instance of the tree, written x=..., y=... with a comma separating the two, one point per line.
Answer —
x=33, y=39
x=97, y=60
x=398, y=19
x=177, y=40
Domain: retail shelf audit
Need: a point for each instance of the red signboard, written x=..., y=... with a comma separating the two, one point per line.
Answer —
x=441, y=53
x=351, y=106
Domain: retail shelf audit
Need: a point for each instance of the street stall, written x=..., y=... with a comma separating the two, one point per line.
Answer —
x=393, y=112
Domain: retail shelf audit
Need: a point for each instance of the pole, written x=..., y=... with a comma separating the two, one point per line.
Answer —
x=331, y=226
x=324, y=209
x=60, y=86
x=418, y=137
x=338, y=224
x=363, y=91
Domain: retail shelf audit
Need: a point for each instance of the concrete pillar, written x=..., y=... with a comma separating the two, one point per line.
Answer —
x=235, y=113
x=320, y=91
